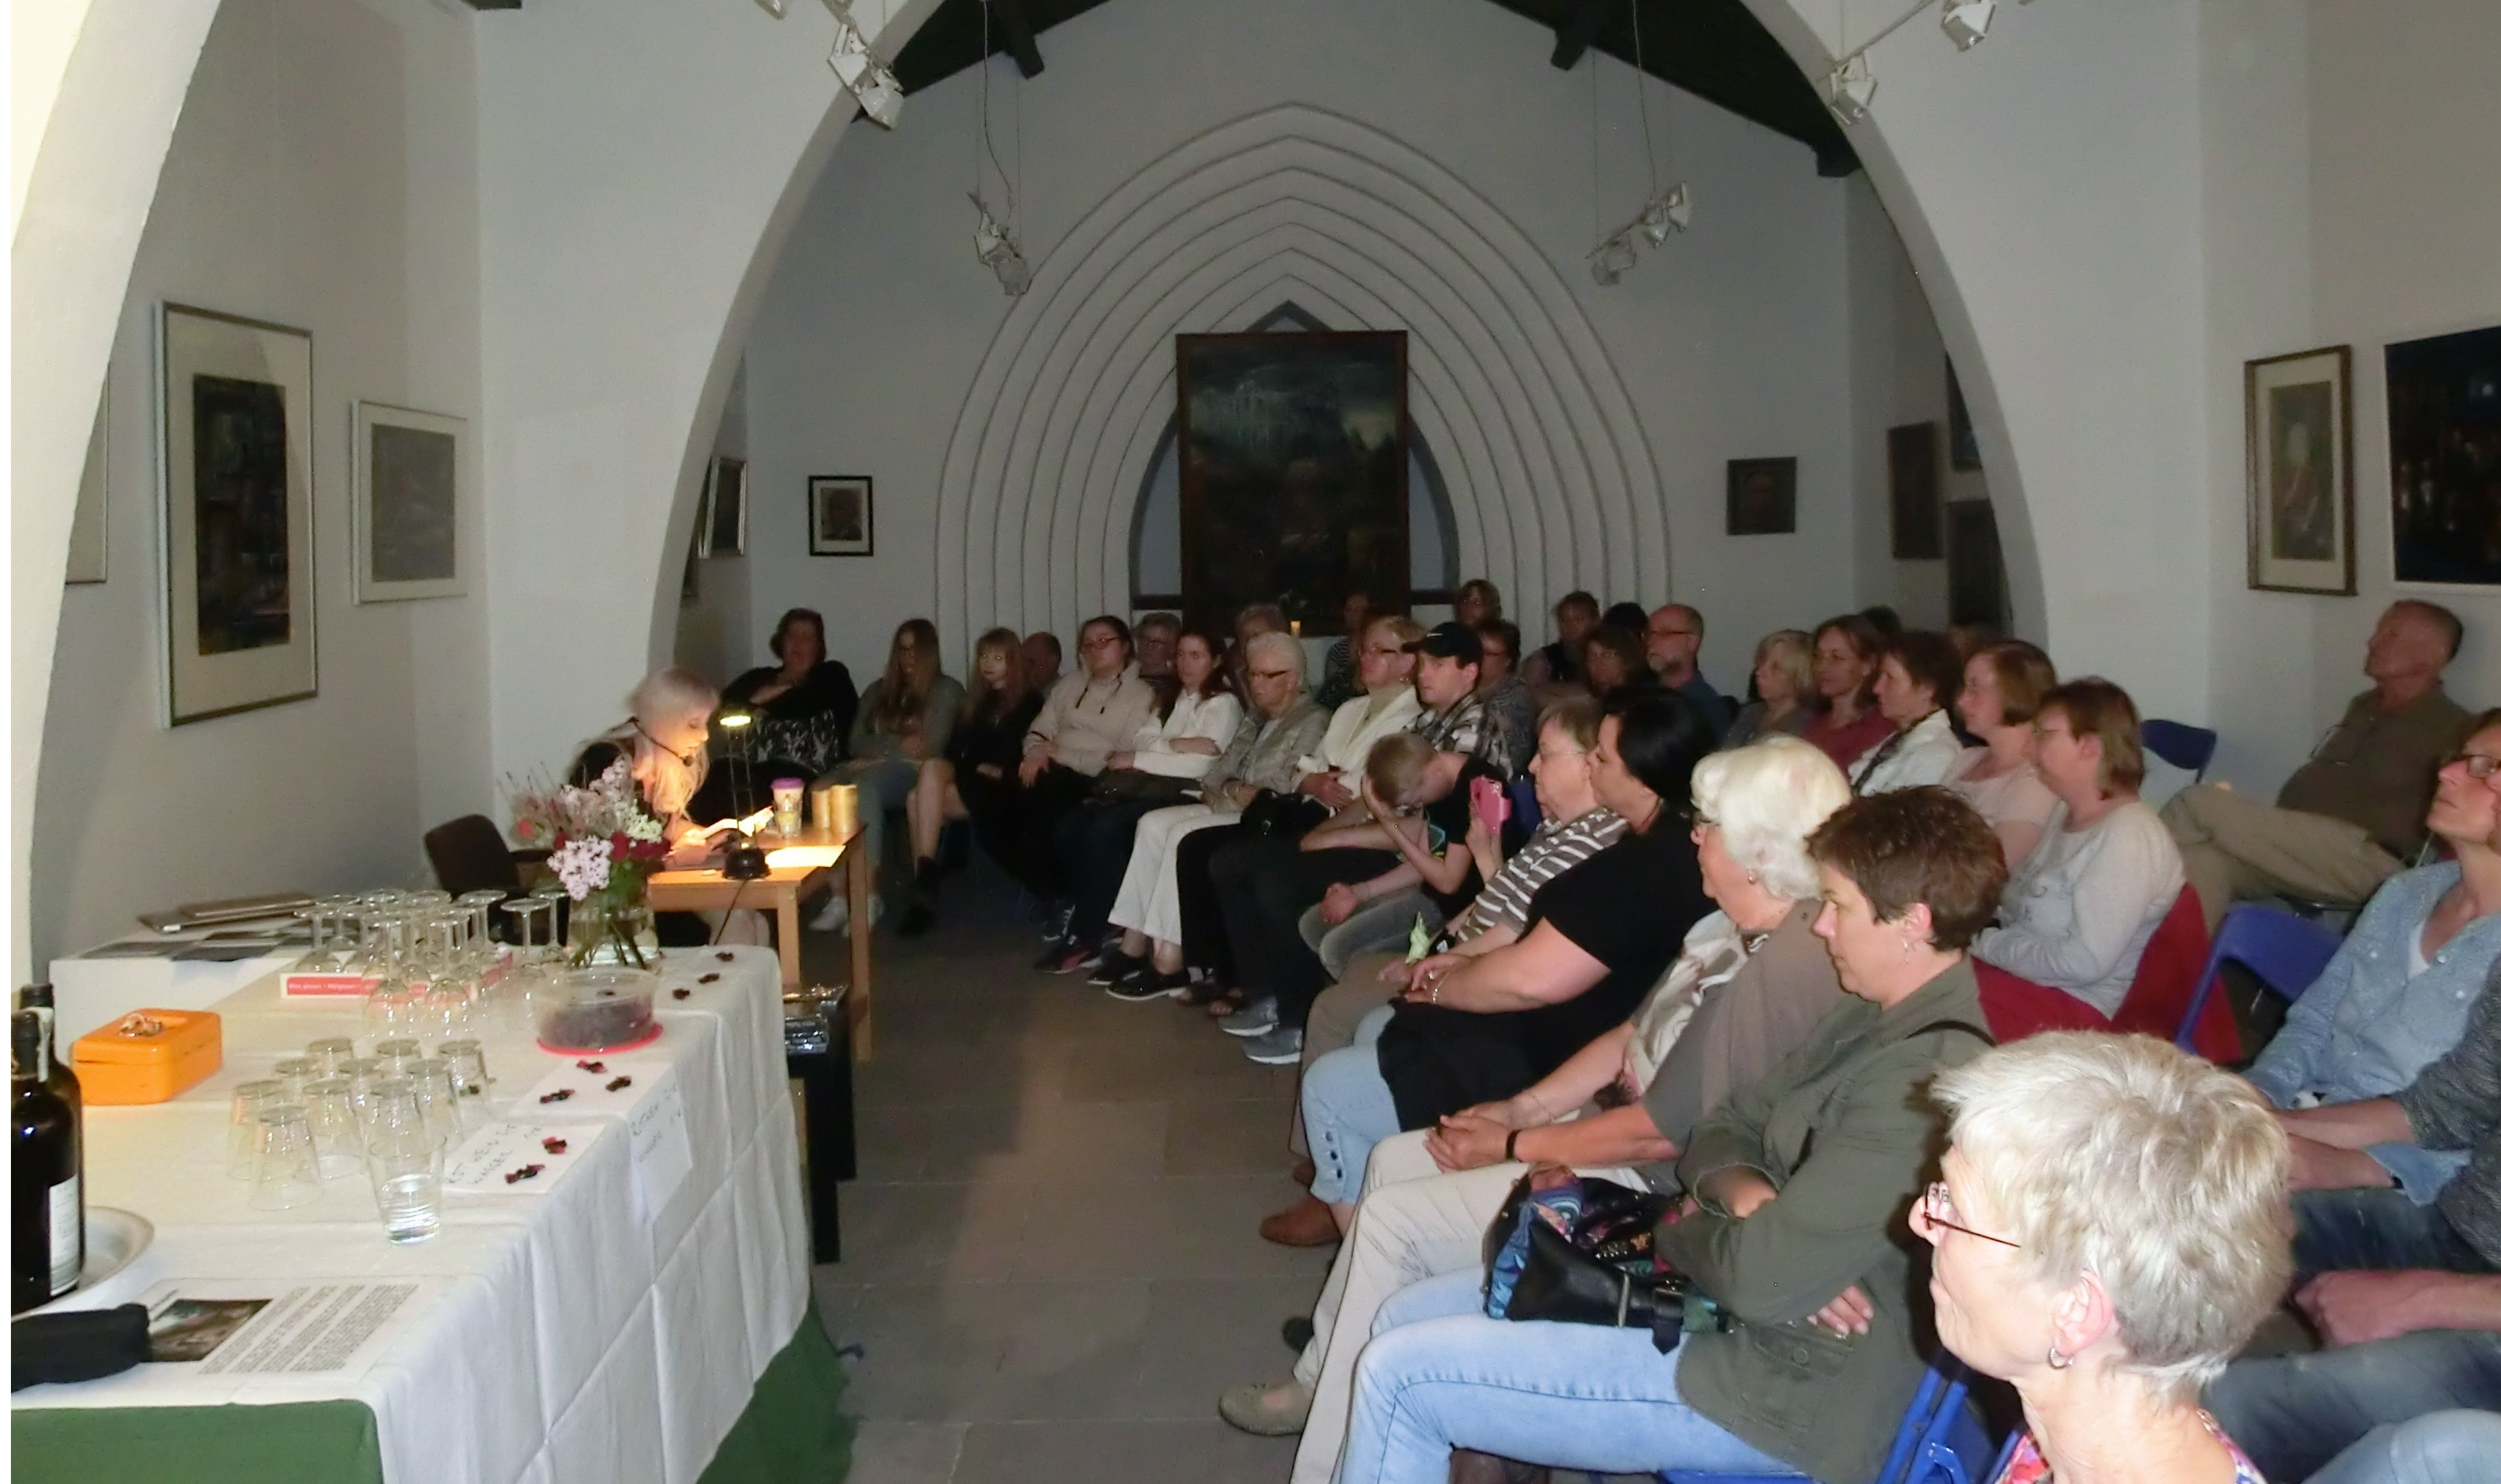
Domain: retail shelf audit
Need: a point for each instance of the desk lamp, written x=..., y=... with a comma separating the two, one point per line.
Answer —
x=743, y=859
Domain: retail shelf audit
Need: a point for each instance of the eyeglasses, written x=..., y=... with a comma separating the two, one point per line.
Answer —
x=1936, y=1204
x=1271, y=675
x=2479, y=766
x=1703, y=821
x=1387, y=651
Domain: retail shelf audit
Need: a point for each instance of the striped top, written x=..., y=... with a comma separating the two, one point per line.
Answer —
x=1555, y=848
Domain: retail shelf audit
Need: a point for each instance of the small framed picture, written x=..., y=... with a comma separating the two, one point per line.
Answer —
x=2300, y=414
x=1762, y=497
x=842, y=515
x=722, y=525
x=406, y=509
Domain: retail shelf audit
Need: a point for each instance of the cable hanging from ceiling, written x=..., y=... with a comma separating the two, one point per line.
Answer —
x=994, y=241
x=1849, y=87
x=1667, y=211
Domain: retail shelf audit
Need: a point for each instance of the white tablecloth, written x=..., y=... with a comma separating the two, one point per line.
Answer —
x=577, y=1340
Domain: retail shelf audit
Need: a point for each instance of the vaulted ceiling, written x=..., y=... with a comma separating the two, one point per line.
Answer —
x=1715, y=49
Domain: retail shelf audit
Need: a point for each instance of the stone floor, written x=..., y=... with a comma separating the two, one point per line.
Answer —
x=1049, y=1256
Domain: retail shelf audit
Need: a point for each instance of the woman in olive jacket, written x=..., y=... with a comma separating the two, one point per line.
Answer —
x=1796, y=1227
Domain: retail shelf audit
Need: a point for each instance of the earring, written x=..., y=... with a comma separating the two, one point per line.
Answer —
x=1906, y=948
x=2058, y=1362
x=1752, y=877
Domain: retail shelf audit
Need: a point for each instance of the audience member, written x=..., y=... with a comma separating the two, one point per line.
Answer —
x=1158, y=636
x=1611, y=660
x=1450, y=676
x=1265, y=759
x=2001, y=686
x=1338, y=683
x=1086, y=717
x=2397, y=994
x=905, y=719
x=1783, y=683
x=2451, y=1447
x=2109, y=1230
x=976, y=778
x=1042, y=661
x=1509, y=705
x=1918, y=675
x=1672, y=649
x=1798, y=1184
x=1476, y=601
x=1255, y=619
x=1750, y=985
x=1387, y=668
x=1161, y=767
x=1886, y=623
x=1559, y=664
x=2079, y=913
x=1971, y=637
x=1631, y=617
x=2347, y=818
x=1845, y=723
x=805, y=705
x=2406, y=1297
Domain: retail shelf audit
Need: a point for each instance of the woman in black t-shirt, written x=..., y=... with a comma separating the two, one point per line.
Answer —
x=976, y=778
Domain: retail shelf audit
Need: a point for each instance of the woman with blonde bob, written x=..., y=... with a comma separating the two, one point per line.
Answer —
x=2111, y=1227
x=1784, y=679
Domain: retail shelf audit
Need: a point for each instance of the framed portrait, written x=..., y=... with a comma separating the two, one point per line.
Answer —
x=89, y=527
x=406, y=508
x=2299, y=410
x=235, y=469
x=842, y=514
x=1762, y=497
x=1918, y=505
x=1294, y=473
x=2445, y=459
x=721, y=525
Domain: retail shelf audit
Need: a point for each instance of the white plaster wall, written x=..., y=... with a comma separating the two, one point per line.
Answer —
x=1731, y=342
x=321, y=176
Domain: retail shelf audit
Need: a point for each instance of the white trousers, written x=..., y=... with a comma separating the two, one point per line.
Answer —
x=1414, y=1223
x=1149, y=900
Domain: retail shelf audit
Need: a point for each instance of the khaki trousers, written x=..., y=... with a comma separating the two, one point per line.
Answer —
x=1414, y=1223
x=2237, y=848
x=1334, y=1016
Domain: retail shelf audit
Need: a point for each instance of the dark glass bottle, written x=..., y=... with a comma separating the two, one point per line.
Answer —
x=46, y=1209
x=58, y=1075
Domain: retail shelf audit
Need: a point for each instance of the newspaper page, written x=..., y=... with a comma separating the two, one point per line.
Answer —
x=247, y=1327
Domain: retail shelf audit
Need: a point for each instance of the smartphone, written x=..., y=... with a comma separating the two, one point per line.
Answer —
x=1486, y=801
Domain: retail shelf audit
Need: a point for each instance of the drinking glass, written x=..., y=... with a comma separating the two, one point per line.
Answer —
x=294, y=1071
x=468, y=1063
x=437, y=1098
x=330, y=1110
x=285, y=1174
x=404, y=1163
x=393, y=1057
x=443, y=1010
x=250, y=1098
x=330, y=1055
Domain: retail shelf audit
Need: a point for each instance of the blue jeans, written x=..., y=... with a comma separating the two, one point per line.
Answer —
x=1440, y=1375
x=2441, y=1448
x=2379, y=1231
x=883, y=784
x=1347, y=1109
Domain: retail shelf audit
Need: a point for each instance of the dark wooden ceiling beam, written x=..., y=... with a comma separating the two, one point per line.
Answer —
x=1015, y=29
x=1579, y=27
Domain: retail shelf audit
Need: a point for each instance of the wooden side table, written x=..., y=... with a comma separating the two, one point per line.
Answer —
x=800, y=863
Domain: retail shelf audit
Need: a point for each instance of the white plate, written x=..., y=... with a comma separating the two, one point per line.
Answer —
x=114, y=1239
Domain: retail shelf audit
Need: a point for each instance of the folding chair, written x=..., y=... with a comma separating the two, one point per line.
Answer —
x=2180, y=744
x=1940, y=1441
x=2286, y=953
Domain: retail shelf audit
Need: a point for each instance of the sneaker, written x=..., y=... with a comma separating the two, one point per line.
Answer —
x=1073, y=958
x=1267, y=1412
x=1113, y=966
x=1297, y=1332
x=1279, y=1047
x=834, y=916
x=1139, y=988
x=1258, y=1018
x=1054, y=953
x=1055, y=917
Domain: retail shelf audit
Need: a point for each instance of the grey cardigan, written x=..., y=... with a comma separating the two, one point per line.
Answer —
x=1264, y=752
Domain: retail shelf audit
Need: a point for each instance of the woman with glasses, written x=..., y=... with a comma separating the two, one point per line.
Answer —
x=2111, y=1226
x=1089, y=716
x=1796, y=1187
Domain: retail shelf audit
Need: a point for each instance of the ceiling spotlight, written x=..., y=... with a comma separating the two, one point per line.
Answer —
x=774, y=7
x=871, y=82
x=1966, y=22
x=997, y=250
x=1850, y=87
x=1614, y=258
x=1671, y=211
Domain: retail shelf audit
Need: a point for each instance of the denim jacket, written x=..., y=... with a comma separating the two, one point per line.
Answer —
x=2365, y=1029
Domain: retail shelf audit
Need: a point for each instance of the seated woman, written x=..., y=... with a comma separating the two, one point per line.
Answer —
x=804, y=705
x=1750, y=984
x=1919, y=673
x=663, y=740
x=2076, y=917
x=904, y=721
x=2001, y=686
x=1554, y=670
x=976, y=778
x=1264, y=758
x=2110, y=1228
x=1613, y=659
x=1784, y=680
x=1476, y=1028
x=2395, y=997
x=1162, y=766
x=1090, y=714
x=1845, y=723
x=1796, y=1189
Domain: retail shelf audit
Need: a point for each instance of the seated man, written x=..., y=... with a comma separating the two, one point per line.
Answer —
x=1450, y=667
x=1509, y=703
x=2406, y=1296
x=1673, y=640
x=2350, y=816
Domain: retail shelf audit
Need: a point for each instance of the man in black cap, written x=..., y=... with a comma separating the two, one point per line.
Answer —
x=1449, y=660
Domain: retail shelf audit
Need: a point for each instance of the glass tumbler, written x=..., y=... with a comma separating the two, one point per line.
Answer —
x=393, y=1058
x=404, y=1161
x=436, y=1098
x=329, y=1055
x=285, y=1171
x=243, y=1121
x=337, y=1138
x=468, y=1063
x=294, y=1071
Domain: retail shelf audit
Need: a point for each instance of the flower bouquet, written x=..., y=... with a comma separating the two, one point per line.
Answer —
x=603, y=846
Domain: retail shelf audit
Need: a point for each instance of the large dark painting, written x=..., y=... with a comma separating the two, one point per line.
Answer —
x=1293, y=473
x=239, y=495
x=1919, y=515
x=2445, y=457
x=1975, y=568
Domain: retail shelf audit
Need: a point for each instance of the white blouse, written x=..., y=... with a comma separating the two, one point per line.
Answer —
x=1212, y=717
x=1922, y=756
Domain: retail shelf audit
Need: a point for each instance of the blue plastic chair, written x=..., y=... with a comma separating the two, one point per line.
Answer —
x=1526, y=815
x=2180, y=744
x=1940, y=1441
x=2286, y=953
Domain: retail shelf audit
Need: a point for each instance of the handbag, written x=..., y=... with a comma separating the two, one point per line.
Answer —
x=1136, y=785
x=1283, y=816
x=1578, y=1250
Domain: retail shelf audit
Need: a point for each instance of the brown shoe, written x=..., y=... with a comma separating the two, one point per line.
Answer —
x=1307, y=1223
x=1304, y=1171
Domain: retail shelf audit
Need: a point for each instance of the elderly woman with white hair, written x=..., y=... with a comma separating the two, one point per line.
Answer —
x=1751, y=983
x=2111, y=1227
x=665, y=739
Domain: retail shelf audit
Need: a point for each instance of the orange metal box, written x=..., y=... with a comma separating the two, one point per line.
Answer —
x=147, y=1056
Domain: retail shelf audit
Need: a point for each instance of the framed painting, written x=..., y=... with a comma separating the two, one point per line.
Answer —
x=407, y=507
x=89, y=527
x=2445, y=459
x=235, y=470
x=1962, y=445
x=721, y=523
x=842, y=515
x=1294, y=473
x=1975, y=568
x=1919, y=505
x=1762, y=497
x=2299, y=412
